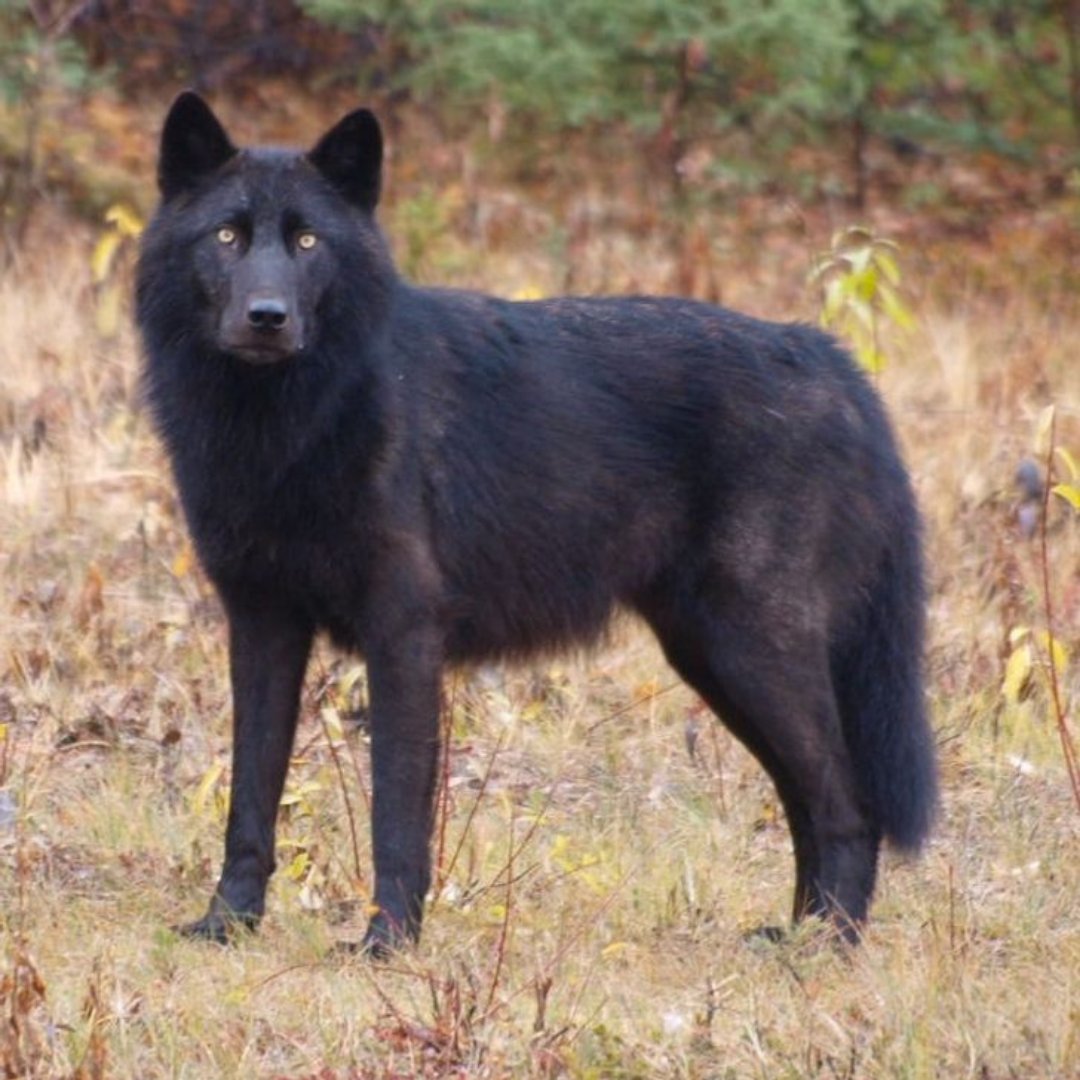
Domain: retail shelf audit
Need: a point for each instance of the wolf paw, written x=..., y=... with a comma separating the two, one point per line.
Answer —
x=218, y=927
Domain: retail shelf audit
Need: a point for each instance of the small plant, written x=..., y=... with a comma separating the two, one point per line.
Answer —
x=39, y=61
x=1042, y=650
x=122, y=228
x=859, y=280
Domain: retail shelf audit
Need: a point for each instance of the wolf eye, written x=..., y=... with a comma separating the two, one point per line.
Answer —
x=226, y=235
x=305, y=241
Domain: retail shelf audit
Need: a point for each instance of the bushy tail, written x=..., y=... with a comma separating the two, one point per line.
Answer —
x=878, y=676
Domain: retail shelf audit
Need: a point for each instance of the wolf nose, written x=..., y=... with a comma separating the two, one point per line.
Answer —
x=267, y=313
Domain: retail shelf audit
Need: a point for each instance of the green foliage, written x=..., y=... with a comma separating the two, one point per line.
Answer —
x=1042, y=649
x=572, y=62
x=36, y=51
x=859, y=279
x=980, y=74
x=39, y=59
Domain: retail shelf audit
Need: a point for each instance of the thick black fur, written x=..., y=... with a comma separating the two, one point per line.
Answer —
x=434, y=477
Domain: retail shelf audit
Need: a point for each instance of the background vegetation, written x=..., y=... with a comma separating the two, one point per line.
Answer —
x=602, y=846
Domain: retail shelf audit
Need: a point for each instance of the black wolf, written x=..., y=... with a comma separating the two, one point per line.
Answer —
x=433, y=477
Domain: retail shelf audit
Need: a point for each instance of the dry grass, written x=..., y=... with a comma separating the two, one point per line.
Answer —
x=598, y=877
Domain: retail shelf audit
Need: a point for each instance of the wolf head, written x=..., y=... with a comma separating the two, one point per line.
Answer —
x=269, y=240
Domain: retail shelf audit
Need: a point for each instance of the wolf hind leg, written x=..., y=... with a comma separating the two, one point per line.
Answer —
x=779, y=702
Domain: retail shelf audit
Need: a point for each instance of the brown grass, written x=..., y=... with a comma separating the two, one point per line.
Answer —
x=599, y=878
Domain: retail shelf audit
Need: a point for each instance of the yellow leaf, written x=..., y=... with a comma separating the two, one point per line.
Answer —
x=647, y=690
x=331, y=719
x=298, y=866
x=1042, y=429
x=529, y=292
x=860, y=315
x=1017, y=673
x=299, y=795
x=125, y=220
x=533, y=711
x=201, y=798
x=895, y=309
x=887, y=264
x=107, y=314
x=1070, y=462
x=181, y=565
x=1059, y=655
x=1069, y=492
x=104, y=254
x=866, y=283
x=350, y=679
x=873, y=360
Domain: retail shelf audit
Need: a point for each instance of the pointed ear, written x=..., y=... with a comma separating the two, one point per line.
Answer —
x=349, y=155
x=193, y=145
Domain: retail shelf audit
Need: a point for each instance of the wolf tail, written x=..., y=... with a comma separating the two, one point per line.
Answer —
x=877, y=671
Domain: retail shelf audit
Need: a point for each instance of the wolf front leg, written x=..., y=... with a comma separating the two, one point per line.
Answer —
x=268, y=652
x=404, y=677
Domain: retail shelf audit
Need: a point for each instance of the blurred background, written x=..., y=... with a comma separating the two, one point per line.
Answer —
x=646, y=111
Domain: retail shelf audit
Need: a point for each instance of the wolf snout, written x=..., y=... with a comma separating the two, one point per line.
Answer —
x=261, y=327
x=268, y=314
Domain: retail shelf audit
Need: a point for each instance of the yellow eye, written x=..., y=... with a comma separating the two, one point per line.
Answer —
x=226, y=236
x=305, y=241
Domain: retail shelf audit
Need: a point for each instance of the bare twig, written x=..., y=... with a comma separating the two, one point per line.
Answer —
x=504, y=929
x=444, y=874
x=345, y=796
x=443, y=809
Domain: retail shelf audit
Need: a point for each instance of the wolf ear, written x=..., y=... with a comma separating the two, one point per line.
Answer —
x=193, y=145
x=350, y=155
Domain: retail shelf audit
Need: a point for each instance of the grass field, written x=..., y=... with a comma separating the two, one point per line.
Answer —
x=603, y=848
